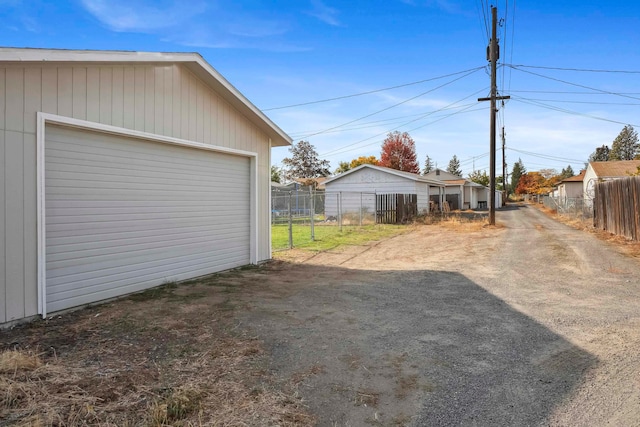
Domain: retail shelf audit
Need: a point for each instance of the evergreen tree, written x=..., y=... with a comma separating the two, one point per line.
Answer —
x=275, y=174
x=428, y=165
x=567, y=172
x=602, y=154
x=517, y=171
x=304, y=162
x=625, y=146
x=454, y=166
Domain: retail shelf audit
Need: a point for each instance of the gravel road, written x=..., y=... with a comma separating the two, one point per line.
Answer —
x=525, y=324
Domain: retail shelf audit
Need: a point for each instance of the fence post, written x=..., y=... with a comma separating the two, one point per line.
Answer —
x=312, y=211
x=290, y=224
x=360, y=209
x=340, y=211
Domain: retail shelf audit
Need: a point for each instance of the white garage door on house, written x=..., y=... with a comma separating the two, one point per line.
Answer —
x=125, y=214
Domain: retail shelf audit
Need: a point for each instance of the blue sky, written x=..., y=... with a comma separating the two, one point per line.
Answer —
x=282, y=53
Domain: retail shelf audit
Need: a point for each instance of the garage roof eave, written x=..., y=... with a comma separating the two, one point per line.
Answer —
x=406, y=175
x=193, y=61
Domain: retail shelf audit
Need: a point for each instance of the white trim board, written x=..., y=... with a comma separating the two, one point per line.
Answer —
x=45, y=118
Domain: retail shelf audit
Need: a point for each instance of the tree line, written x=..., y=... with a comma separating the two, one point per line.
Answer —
x=398, y=152
x=624, y=147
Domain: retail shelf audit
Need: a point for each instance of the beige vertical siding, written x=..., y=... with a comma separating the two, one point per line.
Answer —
x=3, y=266
x=162, y=99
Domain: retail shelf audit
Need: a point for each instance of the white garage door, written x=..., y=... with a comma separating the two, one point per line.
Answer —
x=125, y=214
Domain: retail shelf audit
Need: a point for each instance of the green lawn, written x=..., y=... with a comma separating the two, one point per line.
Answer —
x=330, y=236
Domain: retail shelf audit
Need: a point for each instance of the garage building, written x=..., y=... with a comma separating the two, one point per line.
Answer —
x=122, y=171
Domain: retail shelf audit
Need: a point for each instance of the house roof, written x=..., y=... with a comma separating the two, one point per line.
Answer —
x=577, y=178
x=615, y=169
x=407, y=175
x=319, y=181
x=454, y=181
x=441, y=174
x=192, y=61
x=462, y=181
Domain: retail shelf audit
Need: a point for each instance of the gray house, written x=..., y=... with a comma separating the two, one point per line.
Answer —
x=121, y=171
x=462, y=193
x=355, y=189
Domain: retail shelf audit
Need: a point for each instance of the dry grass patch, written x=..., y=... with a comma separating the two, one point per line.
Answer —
x=629, y=247
x=144, y=361
x=463, y=224
x=12, y=361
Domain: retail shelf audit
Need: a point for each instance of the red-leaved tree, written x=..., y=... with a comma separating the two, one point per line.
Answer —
x=531, y=183
x=399, y=152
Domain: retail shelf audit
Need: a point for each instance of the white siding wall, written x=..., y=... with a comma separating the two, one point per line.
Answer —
x=372, y=181
x=467, y=203
x=161, y=99
x=590, y=179
x=422, y=190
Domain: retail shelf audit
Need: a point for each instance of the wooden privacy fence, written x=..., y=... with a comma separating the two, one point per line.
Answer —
x=396, y=208
x=616, y=206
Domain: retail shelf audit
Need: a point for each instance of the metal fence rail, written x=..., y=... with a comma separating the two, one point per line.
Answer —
x=617, y=207
x=574, y=207
x=303, y=214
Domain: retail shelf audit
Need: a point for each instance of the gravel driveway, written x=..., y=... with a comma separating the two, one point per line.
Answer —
x=527, y=323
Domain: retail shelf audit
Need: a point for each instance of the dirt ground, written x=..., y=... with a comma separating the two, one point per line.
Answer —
x=529, y=323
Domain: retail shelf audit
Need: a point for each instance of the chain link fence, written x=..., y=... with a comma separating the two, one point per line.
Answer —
x=301, y=216
x=572, y=207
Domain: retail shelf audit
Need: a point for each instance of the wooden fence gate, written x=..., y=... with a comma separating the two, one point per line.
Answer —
x=616, y=207
x=396, y=208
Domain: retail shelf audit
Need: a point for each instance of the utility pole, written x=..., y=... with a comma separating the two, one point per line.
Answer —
x=504, y=170
x=492, y=55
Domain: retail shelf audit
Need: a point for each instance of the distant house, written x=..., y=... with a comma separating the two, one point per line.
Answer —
x=299, y=184
x=300, y=191
x=355, y=189
x=570, y=188
x=462, y=193
x=606, y=171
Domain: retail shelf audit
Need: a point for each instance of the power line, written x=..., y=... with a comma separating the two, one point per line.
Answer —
x=573, y=84
x=570, y=92
x=546, y=156
x=392, y=106
x=564, y=110
x=371, y=91
x=484, y=16
x=343, y=149
x=583, y=70
x=582, y=102
x=383, y=121
x=513, y=24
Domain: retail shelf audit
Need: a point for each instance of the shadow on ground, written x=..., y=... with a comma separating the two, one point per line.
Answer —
x=425, y=348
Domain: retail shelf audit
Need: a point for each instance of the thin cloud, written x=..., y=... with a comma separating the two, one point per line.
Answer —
x=256, y=28
x=141, y=17
x=324, y=13
x=448, y=6
x=199, y=25
x=30, y=24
